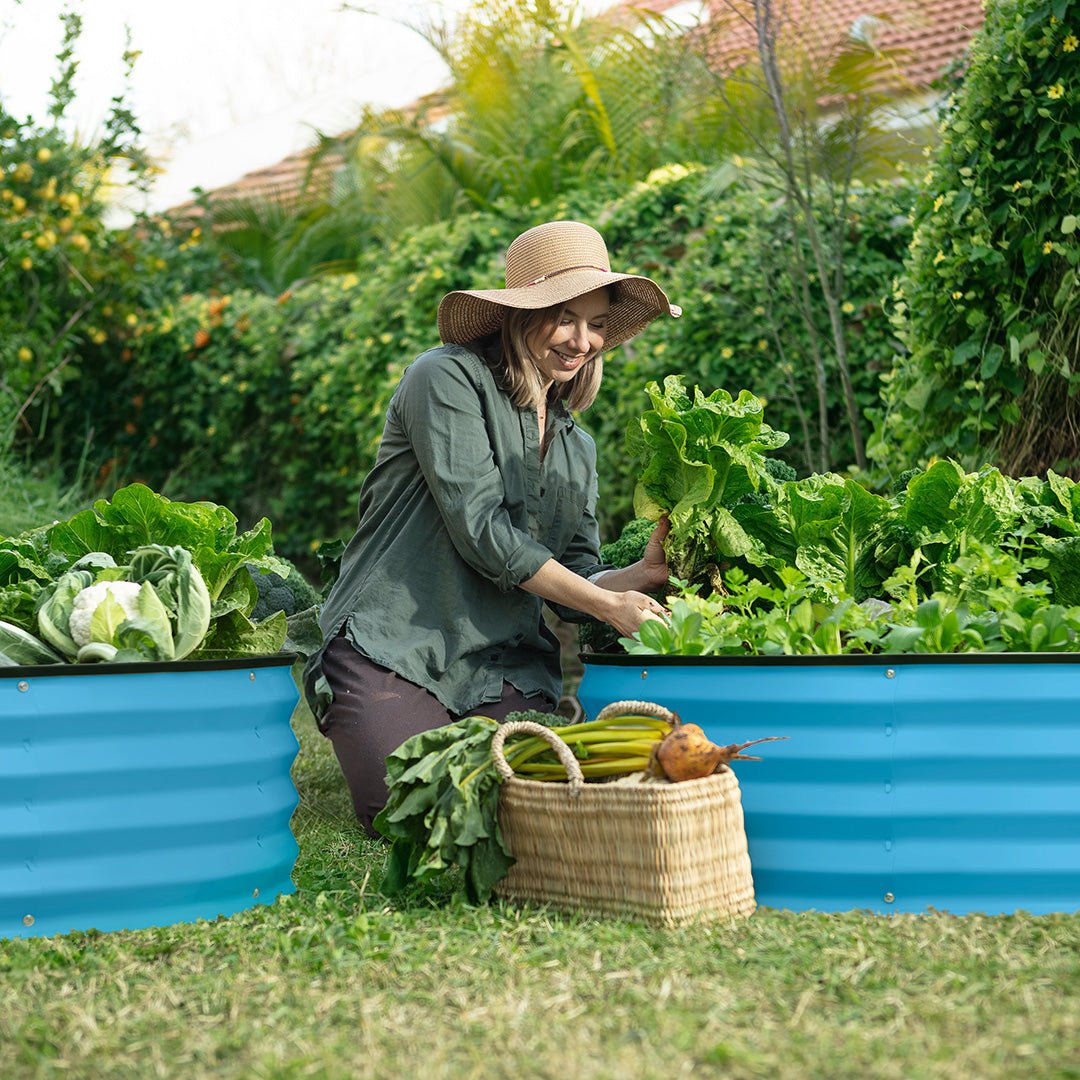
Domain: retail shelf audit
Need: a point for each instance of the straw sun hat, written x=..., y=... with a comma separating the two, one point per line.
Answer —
x=549, y=265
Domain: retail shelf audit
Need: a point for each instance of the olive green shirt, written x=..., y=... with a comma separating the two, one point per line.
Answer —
x=456, y=513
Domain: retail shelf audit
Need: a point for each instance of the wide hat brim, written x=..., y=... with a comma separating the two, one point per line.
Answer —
x=466, y=315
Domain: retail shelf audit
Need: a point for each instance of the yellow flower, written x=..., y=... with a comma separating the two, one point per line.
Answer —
x=211, y=430
x=44, y=154
x=939, y=257
x=27, y=263
x=660, y=347
x=18, y=204
x=848, y=307
x=46, y=240
x=937, y=203
x=1055, y=91
x=23, y=171
x=1017, y=186
x=727, y=352
x=99, y=337
x=386, y=338
x=762, y=344
x=349, y=281
x=324, y=408
x=1047, y=247
x=436, y=272
x=957, y=295
x=25, y=355
x=1070, y=43
x=69, y=201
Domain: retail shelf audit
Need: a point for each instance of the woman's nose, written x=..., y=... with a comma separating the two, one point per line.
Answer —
x=580, y=339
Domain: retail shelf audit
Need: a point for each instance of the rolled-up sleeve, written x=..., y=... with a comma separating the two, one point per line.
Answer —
x=440, y=410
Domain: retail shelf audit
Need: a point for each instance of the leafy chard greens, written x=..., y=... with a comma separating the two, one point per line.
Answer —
x=954, y=561
x=704, y=455
x=136, y=578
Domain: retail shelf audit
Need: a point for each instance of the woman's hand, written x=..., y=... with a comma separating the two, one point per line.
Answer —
x=653, y=563
x=628, y=610
x=650, y=573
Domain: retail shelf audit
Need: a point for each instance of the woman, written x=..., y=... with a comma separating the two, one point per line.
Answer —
x=482, y=505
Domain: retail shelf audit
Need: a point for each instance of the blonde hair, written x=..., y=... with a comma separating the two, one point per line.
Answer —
x=517, y=370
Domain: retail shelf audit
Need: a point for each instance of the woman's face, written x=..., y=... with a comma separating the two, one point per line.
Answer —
x=578, y=335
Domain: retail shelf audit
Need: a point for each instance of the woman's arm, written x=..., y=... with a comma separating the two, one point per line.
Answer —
x=624, y=608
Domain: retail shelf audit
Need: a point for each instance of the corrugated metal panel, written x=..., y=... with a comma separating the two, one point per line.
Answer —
x=144, y=798
x=953, y=786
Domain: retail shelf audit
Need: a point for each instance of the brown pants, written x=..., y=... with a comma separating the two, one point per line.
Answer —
x=375, y=710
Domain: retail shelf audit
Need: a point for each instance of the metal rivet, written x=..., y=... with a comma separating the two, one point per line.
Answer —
x=644, y=674
x=255, y=893
x=889, y=898
x=888, y=845
x=24, y=686
x=251, y=676
x=28, y=920
x=888, y=788
x=890, y=673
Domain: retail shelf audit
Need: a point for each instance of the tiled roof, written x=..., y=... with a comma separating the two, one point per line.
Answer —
x=926, y=35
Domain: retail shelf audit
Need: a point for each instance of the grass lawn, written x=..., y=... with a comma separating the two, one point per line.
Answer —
x=336, y=982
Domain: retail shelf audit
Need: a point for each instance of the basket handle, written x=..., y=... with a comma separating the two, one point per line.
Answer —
x=562, y=751
x=639, y=708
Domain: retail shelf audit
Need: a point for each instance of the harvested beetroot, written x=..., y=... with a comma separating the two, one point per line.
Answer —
x=688, y=753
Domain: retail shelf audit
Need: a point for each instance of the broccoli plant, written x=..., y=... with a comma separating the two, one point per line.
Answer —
x=291, y=594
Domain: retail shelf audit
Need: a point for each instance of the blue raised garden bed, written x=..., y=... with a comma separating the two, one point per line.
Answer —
x=908, y=783
x=136, y=795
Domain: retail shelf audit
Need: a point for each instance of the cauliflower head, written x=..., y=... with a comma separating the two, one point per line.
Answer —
x=125, y=593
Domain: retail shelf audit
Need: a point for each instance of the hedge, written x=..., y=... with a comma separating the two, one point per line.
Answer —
x=275, y=406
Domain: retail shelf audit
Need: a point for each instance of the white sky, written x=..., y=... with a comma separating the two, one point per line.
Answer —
x=224, y=86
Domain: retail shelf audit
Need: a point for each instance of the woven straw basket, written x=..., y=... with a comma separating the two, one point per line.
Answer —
x=664, y=854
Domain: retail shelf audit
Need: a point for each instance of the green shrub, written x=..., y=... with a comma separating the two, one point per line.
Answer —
x=72, y=290
x=989, y=301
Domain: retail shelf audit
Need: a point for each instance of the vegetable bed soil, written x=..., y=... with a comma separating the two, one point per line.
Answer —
x=907, y=783
x=143, y=794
